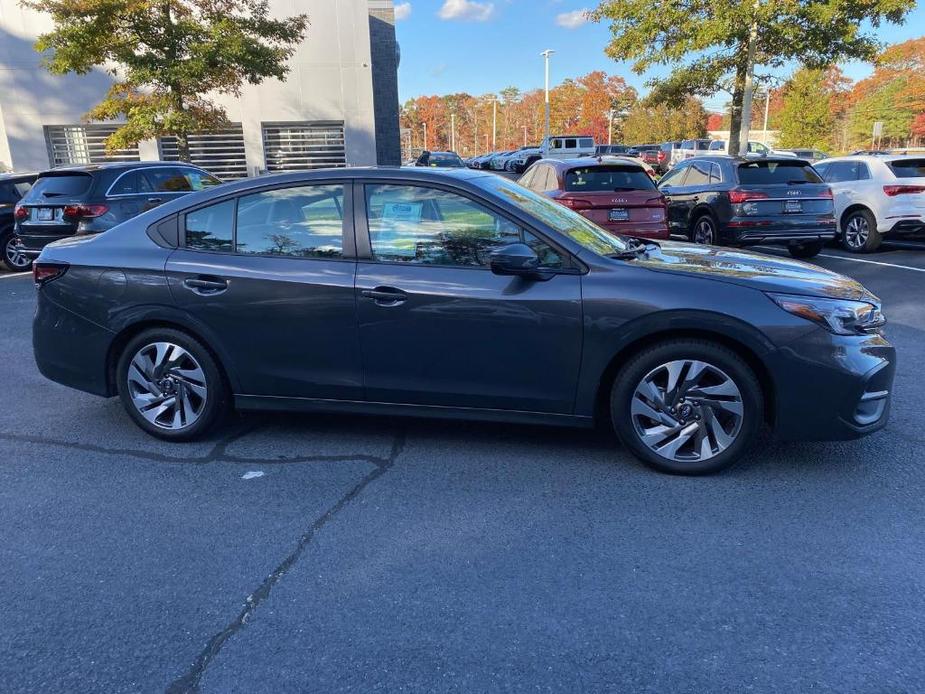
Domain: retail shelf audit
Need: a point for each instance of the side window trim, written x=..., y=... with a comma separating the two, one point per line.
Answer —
x=361, y=225
x=348, y=228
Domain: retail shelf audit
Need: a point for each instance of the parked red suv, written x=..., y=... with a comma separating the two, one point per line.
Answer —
x=616, y=194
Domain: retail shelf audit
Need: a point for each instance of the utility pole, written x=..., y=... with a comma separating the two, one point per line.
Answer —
x=767, y=104
x=610, y=127
x=452, y=132
x=494, y=123
x=525, y=135
x=425, y=135
x=548, y=52
x=749, y=83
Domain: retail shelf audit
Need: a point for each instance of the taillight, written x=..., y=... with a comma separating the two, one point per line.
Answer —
x=575, y=203
x=43, y=273
x=84, y=211
x=20, y=213
x=827, y=193
x=662, y=156
x=737, y=196
x=893, y=191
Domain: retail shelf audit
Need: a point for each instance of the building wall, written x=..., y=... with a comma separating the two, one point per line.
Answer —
x=385, y=58
x=331, y=79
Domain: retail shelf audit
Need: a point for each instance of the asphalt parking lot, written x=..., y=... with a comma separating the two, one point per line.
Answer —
x=335, y=553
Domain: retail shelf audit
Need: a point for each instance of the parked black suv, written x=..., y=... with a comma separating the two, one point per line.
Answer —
x=91, y=199
x=731, y=200
x=12, y=188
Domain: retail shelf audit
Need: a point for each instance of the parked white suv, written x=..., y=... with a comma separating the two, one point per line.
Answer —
x=689, y=149
x=876, y=196
x=567, y=146
x=755, y=149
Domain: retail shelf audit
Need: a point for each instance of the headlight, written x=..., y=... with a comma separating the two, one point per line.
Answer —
x=838, y=316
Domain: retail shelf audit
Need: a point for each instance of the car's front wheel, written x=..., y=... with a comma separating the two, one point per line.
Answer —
x=806, y=249
x=859, y=232
x=687, y=406
x=12, y=258
x=171, y=385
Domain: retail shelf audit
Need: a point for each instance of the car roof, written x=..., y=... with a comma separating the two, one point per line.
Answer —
x=740, y=160
x=17, y=176
x=611, y=159
x=875, y=157
x=115, y=166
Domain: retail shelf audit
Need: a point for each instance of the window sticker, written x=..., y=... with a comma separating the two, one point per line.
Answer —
x=402, y=211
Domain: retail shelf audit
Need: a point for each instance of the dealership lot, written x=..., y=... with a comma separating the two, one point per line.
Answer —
x=334, y=552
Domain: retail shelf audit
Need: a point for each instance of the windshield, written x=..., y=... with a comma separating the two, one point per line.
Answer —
x=598, y=179
x=560, y=218
x=765, y=172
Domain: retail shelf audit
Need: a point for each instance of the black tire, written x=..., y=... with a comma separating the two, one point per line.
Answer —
x=212, y=408
x=704, y=231
x=859, y=232
x=8, y=258
x=650, y=360
x=807, y=249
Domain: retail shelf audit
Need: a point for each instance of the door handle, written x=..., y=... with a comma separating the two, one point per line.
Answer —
x=203, y=285
x=385, y=296
x=155, y=199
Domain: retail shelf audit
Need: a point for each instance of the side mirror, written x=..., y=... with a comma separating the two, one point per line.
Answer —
x=516, y=259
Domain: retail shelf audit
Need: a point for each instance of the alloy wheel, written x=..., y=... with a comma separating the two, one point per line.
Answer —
x=687, y=410
x=703, y=232
x=167, y=385
x=857, y=231
x=14, y=256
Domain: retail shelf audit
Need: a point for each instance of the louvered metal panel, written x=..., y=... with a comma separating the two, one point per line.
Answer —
x=309, y=145
x=83, y=144
x=220, y=152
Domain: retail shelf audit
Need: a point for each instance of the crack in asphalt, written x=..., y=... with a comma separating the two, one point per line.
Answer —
x=217, y=454
x=189, y=682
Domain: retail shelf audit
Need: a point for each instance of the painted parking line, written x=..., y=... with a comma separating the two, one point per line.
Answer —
x=855, y=260
x=15, y=274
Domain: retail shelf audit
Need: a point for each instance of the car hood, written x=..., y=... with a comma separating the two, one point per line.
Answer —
x=767, y=273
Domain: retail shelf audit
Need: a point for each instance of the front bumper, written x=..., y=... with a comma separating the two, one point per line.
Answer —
x=832, y=387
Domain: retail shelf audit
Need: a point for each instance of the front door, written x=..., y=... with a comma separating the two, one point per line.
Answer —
x=437, y=327
x=267, y=273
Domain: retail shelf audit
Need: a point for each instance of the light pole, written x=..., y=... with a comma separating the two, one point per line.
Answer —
x=494, y=123
x=452, y=132
x=548, y=52
x=425, y=134
x=610, y=127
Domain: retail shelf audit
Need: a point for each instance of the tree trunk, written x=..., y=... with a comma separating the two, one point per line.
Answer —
x=735, y=112
x=183, y=147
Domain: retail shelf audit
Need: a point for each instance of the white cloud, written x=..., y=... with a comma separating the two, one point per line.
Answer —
x=402, y=10
x=573, y=19
x=467, y=10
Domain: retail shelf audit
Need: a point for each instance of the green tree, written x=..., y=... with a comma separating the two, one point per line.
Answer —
x=806, y=118
x=708, y=42
x=166, y=57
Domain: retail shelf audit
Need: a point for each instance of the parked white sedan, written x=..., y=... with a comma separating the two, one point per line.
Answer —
x=876, y=196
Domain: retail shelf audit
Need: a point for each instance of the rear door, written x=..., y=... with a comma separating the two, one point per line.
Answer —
x=271, y=275
x=438, y=328
x=671, y=185
x=842, y=178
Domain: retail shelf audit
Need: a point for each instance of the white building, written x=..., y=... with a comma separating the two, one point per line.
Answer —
x=338, y=105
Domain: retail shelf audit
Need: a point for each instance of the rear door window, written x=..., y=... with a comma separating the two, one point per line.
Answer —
x=777, y=172
x=908, y=168
x=599, y=179
x=699, y=174
x=302, y=222
x=61, y=186
x=131, y=183
x=571, y=143
x=586, y=142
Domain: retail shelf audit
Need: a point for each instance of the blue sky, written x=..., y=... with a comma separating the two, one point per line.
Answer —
x=480, y=46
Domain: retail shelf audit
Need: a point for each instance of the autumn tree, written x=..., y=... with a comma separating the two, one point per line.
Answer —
x=651, y=122
x=806, y=119
x=166, y=57
x=708, y=42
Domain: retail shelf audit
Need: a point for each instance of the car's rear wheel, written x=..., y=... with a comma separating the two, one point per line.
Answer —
x=687, y=406
x=807, y=249
x=704, y=230
x=171, y=385
x=859, y=232
x=11, y=257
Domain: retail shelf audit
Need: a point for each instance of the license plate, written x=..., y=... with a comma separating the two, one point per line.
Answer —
x=793, y=206
x=45, y=214
x=618, y=214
